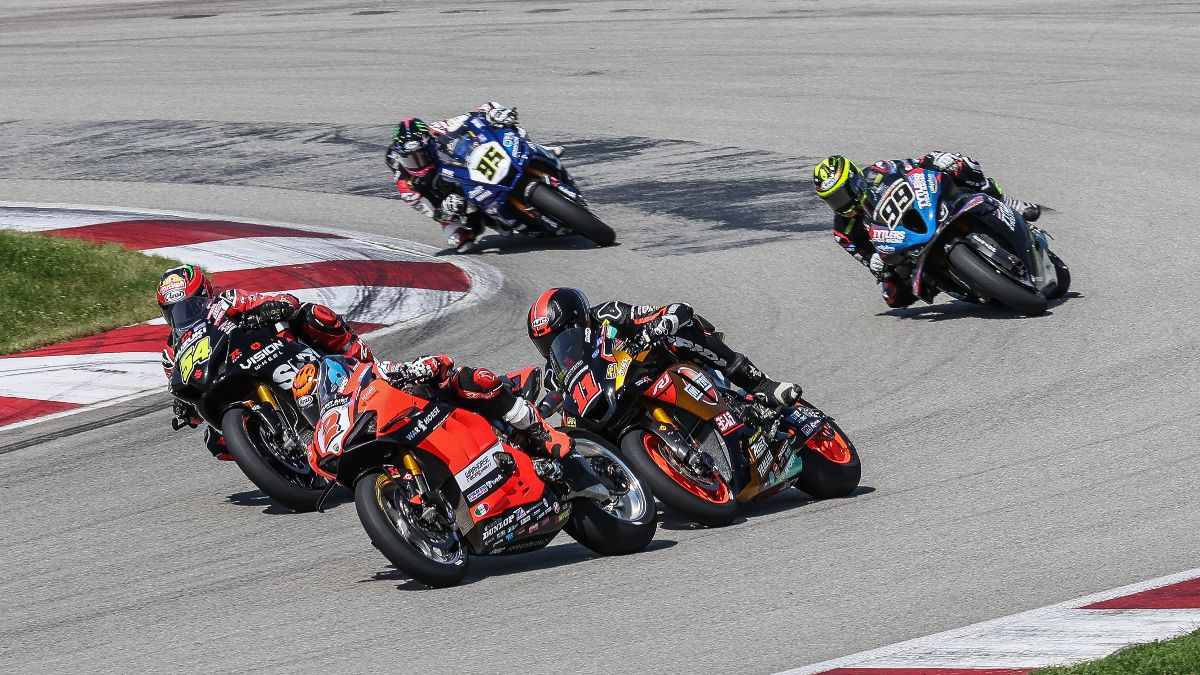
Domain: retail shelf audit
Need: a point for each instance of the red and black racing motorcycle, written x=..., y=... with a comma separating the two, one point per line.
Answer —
x=435, y=484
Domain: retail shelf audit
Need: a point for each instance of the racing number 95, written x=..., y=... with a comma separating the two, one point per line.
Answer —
x=489, y=163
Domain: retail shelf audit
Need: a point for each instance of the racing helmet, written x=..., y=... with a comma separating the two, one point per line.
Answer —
x=555, y=311
x=840, y=183
x=184, y=295
x=410, y=149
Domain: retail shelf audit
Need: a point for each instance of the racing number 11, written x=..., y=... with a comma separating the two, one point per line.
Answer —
x=585, y=391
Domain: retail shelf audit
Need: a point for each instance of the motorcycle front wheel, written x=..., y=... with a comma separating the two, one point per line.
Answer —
x=706, y=500
x=292, y=484
x=432, y=554
x=989, y=282
x=549, y=201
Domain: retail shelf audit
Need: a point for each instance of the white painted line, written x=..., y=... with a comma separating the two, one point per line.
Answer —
x=1054, y=635
x=76, y=378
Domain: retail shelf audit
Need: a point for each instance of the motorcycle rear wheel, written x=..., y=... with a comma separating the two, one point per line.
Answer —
x=552, y=203
x=831, y=465
x=260, y=466
x=625, y=526
x=711, y=504
x=990, y=282
x=393, y=532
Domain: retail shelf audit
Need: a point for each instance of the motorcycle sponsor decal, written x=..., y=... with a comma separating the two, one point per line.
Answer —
x=261, y=356
x=285, y=374
x=304, y=401
x=421, y=427
x=883, y=166
x=194, y=356
x=884, y=235
x=895, y=201
x=305, y=381
x=726, y=423
x=488, y=163
x=481, y=510
x=617, y=370
x=921, y=189
x=484, y=488
x=509, y=139
x=697, y=385
x=1005, y=214
x=662, y=388
x=700, y=350
x=478, y=470
x=496, y=527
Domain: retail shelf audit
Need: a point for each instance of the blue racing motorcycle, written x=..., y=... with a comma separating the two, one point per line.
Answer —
x=967, y=244
x=519, y=185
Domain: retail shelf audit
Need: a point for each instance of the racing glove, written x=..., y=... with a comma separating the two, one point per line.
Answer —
x=424, y=370
x=501, y=117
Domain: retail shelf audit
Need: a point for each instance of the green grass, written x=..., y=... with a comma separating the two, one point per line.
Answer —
x=1174, y=657
x=54, y=289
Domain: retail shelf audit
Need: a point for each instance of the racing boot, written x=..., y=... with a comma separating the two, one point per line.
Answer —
x=461, y=239
x=1028, y=210
x=746, y=375
x=581, y=478
x=556, y=150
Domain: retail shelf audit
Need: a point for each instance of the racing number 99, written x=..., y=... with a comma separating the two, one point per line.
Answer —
x=489, y=163
x=894, y=204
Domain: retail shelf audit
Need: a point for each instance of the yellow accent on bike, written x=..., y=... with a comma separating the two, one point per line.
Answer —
x=410, y=463
x=194, y=356
x=266, y=395
x=661, y=415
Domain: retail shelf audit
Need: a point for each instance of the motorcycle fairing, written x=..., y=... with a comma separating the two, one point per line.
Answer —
x=904, y=208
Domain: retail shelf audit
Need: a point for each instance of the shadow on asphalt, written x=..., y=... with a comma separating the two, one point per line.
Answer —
x=784, y=501
x=483, y=567
x=498, y=245
x=963, y=310
x=255, y=498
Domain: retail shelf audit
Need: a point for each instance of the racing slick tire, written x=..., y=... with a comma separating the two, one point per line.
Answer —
x=628, y=523
x=988, y=281
x=831, y=465
x=554, y=204
x=260, y=470
x=712, y=505
x=1064, y=277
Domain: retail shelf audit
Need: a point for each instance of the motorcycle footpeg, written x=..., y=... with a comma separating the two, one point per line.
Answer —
x=549, y=470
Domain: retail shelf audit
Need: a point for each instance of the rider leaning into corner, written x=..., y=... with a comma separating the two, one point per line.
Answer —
x=675, y=325
x=483, y=392
x=843, y=186
x=186, y=294
x=413, y=157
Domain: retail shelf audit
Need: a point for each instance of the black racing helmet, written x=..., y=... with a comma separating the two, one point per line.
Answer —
x=555, y=311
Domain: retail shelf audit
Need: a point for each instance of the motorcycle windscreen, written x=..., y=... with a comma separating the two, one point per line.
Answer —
x=456, y=146
x=332, y=374
x=575, y=376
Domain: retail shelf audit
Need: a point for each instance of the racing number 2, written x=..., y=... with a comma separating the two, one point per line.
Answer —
x=489, y=163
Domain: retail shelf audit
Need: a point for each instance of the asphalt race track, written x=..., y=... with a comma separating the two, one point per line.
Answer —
x=1009, y=463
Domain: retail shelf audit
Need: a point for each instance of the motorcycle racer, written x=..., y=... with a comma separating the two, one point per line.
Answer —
x=843, y=186
x=560, y=309
x=413, y=157
x=186, y=295
x=483, y=392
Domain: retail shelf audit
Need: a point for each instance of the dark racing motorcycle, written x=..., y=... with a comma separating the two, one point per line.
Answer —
x=238, y=376
x=969, y=245
x=702, y=444
x=519, y=185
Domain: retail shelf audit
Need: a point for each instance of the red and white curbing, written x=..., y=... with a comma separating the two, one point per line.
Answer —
x=380, y=284
x=1083, y=629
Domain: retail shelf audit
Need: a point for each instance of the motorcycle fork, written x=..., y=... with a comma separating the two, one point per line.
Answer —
x=660, y=415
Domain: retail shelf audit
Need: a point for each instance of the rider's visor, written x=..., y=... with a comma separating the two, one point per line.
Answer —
x=843, y=200
x=186, y=312
x=416, y=159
